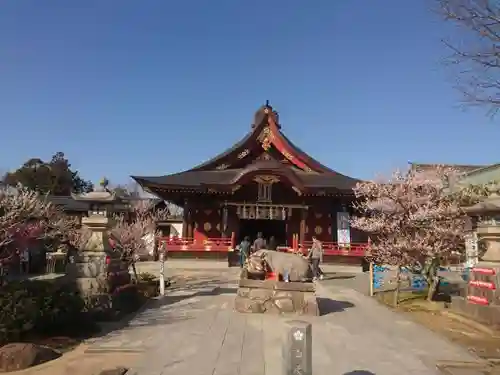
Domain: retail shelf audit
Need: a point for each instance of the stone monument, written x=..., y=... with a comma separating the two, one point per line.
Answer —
x=297, y=348
x=487, y=218
x=97, y=268
x=480, y=299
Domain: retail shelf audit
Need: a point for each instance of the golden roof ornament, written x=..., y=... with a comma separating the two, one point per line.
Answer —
x=262, y=112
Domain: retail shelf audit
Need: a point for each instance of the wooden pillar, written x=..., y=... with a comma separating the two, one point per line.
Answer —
x=221, y=221
x=302, y=231
x=190, y=233
x=333, y=222
x=286, y=233
x=224, y=220
x=187, y=227
x=336, y=207
x=185, y=220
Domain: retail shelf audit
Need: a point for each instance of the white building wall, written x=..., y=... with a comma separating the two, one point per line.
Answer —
x=176, y=229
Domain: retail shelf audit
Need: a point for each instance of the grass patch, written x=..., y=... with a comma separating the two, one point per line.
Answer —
x=405, y=296
x=412, y=295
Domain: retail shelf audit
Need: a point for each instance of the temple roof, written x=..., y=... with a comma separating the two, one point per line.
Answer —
x=464, y=168
x=191, y=179
x=265, y=126
x=480, y=176
x=264, y=149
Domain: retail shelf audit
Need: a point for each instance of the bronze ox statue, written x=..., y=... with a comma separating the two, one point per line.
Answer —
x=263, y=261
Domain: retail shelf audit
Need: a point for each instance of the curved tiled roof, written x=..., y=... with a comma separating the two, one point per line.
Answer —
x=304, y=169
x=260, y=121
x=194, y=179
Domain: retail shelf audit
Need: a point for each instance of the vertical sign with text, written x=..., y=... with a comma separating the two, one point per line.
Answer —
x=297, y=348
x=471, y=250
x=343, y=229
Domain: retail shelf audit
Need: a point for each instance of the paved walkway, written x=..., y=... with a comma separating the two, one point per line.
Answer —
x=195, y=331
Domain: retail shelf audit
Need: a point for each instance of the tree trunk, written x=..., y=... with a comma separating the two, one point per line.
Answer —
x=432, y=278
x=395, y=301
x=134, y=270
x=433, y=285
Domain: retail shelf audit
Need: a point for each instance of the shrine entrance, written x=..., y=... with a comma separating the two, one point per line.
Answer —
x=268, y=228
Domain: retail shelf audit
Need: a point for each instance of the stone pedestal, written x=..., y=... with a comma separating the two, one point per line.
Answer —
x=88, y=269
x=92, y=266
x=274, y=297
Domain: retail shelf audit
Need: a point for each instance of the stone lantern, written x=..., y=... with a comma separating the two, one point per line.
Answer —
x=96, y=260
x=486, y=215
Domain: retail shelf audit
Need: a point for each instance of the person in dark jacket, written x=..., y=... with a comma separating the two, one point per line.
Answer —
x=244, y=249
x=259, y=243
x=273, y=244
x=316, y=255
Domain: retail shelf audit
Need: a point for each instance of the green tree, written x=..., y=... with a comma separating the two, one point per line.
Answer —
x=54, y=177
x=130, y=190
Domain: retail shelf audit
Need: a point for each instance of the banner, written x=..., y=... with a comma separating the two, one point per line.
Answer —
x=343, y=228
x=471, y=250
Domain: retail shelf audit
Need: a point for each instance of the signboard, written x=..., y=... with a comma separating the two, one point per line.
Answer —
x=343, y=228
x=471, y=250
x=384, y=278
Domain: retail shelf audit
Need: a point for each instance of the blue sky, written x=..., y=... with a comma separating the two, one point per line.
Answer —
x=154, y=87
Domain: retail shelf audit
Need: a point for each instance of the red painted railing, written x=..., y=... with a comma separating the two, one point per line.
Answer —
x=221, y=244
x=227, y=244
x=334, y=248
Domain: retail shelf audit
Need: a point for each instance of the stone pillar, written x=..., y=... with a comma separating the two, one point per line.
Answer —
x=297, y=348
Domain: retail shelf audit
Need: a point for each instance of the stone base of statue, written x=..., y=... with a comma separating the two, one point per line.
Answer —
x=276, y=297
x=95, y=272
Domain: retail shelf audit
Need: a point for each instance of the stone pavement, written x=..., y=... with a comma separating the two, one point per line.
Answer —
x=194, y=330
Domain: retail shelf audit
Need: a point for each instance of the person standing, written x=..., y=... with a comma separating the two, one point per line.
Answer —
x=315, y=255
x=273, y=244
x=244, y=249
x=259, y=243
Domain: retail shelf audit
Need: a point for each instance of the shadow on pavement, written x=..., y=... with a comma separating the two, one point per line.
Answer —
x=328, y=306
x=162, y=310
x=340, y=277
x=359, y=372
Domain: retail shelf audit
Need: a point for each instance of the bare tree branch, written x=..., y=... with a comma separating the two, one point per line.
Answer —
x=477, y=58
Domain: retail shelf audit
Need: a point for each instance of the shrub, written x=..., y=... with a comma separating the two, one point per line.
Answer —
x=147, y=277
x=127, y=299
x=38, y=307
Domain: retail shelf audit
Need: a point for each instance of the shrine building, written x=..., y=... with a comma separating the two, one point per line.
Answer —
x=263, y=183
